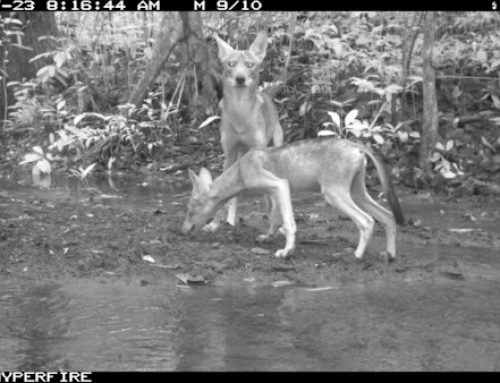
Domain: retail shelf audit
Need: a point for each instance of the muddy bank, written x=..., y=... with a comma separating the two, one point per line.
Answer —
x=52, y=238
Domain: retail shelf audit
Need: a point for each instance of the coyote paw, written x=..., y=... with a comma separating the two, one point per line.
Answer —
x=210, y=227
x=283, y=253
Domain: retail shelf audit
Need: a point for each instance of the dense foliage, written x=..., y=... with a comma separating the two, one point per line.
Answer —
x=354, y=74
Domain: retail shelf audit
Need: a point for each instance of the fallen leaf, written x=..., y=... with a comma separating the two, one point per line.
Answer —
x=260, y=251
x=208, y=121
x=463, y=230
x=187, y=278
x=452, y=272
x=148, y=258
x=167, y=267
x=470, y=217
x=325, y=132
x=315, y=289
x=281, y=283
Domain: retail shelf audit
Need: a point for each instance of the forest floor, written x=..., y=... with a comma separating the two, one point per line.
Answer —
x=42, y=237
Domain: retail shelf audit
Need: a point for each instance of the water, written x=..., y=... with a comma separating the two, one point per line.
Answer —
x=446, y=322
x=444, y=325
x=129, y=191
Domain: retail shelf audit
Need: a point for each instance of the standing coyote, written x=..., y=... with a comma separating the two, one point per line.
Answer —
x=335, y=167
x=249, y=117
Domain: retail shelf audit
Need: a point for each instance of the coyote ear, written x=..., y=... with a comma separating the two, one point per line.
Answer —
x=258, y=47
x=194, y=180
x=224, y=48
x=205, y=177
x=192, y=176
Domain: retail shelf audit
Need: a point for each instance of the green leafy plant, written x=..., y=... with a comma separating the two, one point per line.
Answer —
x=364, y=130
x=40, y=161
x=448, y=169
x=82, y=174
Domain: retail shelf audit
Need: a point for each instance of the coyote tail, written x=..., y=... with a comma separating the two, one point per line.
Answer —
x=387, y=185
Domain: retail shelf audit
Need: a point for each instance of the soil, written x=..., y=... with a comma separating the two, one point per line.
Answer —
x=53, y=239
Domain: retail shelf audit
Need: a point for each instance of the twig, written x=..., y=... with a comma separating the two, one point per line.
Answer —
x=4, y=89
x=291, y=40
x=216, y=30
x=378, y=114
x=314, y=242
x=4, y=79
x=471, y=77
x=407, y=53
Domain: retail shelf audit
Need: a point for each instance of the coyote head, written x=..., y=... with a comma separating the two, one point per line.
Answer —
x=201, y=206
x=241, y=68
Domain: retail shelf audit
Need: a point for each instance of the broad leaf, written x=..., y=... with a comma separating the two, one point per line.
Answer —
x=38, y=150
x=496, y=101
x=403, y=136
x=44, y=166
x=326, y=132
x=335, y=118
x=60, y=58
x=30, y=157
x=481, y=55
x=449, y=145
x=208, y=121
x=435, y=157
x=88, y=170
x=351, y=116
x=378, y=138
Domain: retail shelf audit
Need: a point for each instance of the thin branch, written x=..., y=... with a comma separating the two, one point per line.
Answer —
x=293, y=19
x=471, y=77
x=378, y=114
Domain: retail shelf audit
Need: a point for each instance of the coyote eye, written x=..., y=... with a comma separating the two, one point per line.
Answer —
x=231, y=64
x=249, y=64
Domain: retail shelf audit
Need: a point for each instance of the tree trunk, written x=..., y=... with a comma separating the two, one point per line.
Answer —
x=34, y=25
x=430, y=118
x=170, y=34
x=409, y=38
x=202, y=95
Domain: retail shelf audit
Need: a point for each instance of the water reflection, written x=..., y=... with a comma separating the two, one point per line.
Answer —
x=130, y=191
x=446, y=325
x=33, y=321
x=238, y=329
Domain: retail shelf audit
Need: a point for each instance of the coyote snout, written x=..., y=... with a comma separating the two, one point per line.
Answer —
x=187, y=227
x=240, y=80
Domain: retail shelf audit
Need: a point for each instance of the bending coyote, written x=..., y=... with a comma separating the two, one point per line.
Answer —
x=336, y=167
